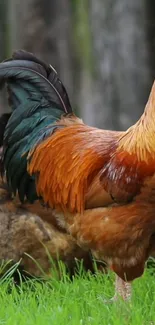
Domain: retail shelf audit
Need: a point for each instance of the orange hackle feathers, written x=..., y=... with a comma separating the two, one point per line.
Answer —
x=139, y=139
x=67, y=162
x=134, y=158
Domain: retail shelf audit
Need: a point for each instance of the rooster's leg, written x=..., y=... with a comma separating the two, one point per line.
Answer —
x=122, y=289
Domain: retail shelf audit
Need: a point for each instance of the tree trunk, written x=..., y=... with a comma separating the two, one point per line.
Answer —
x=121, y=61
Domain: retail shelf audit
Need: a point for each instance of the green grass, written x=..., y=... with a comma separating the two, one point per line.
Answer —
x=77, y=302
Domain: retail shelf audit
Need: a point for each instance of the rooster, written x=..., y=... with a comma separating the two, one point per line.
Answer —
x=98, y=184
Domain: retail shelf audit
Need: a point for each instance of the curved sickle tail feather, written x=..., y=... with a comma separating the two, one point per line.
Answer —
x=38, y=100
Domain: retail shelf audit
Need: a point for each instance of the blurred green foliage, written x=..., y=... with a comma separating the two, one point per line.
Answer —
x=82, y=33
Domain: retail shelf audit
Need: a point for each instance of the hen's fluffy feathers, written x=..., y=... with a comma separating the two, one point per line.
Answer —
x=32, y=235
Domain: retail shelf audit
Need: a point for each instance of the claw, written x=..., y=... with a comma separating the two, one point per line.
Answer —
x=122, y=291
